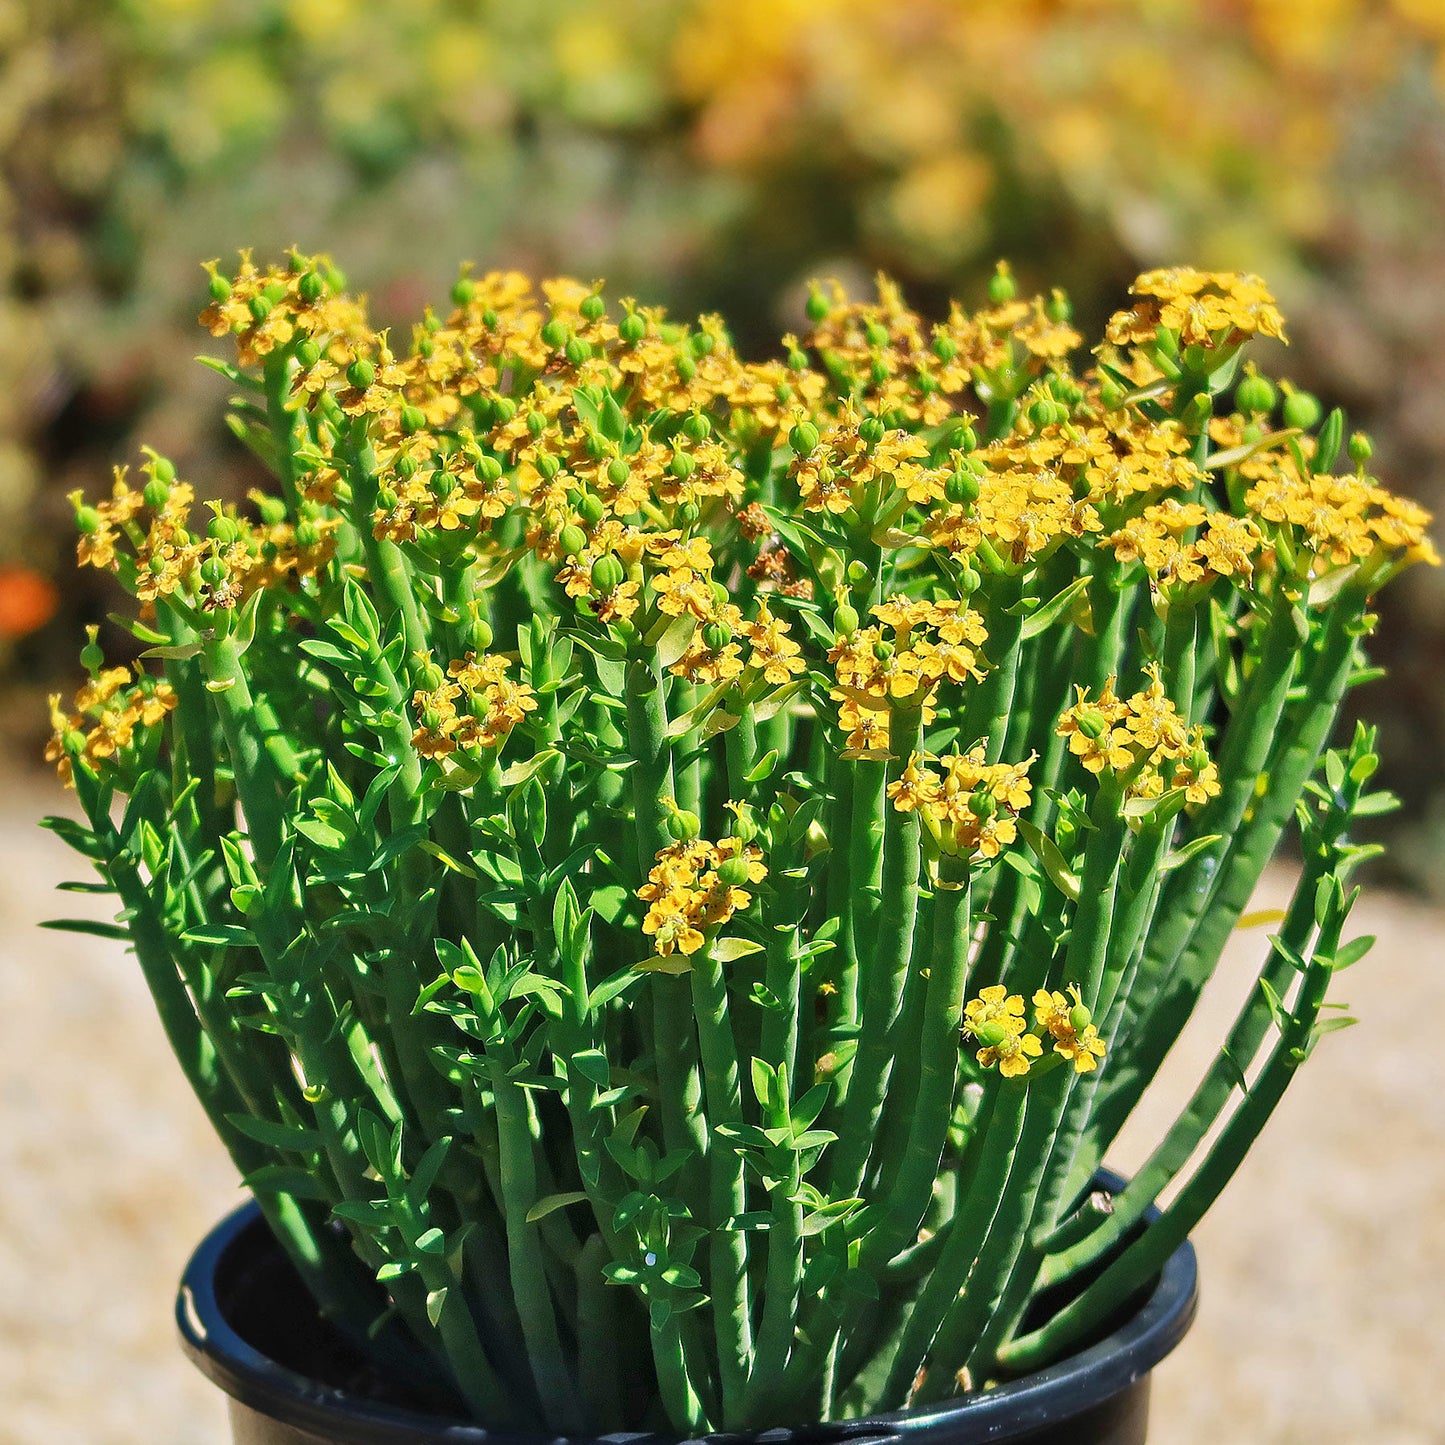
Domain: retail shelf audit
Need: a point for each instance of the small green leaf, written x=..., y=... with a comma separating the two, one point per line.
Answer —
x=435, y=1302
x=89, y=926
x=729, y=950
x=1353, y=951
x=543, y=1207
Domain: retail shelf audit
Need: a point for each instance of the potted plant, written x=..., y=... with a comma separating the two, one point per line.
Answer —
x=669, y=873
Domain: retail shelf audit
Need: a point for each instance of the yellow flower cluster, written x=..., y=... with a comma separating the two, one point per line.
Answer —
x=695, y=888
x=899, y=663
x=996, y=1020
x=104, y=717
x=1224, y=545
x=492, y=704
x=968, y=806
x=1200, y=308
x=1135, y=738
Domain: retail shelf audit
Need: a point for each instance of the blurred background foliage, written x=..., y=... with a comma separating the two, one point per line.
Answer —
x=709, y=154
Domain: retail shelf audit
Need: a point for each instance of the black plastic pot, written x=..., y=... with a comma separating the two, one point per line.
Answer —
x=248, y=1324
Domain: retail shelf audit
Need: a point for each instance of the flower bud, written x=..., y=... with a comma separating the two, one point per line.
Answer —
x=845, y=620
x=554, y=334
x=87, y=520
x=361, y=373
x=883, y=650
x=222, y=530
x=733, y=871
x=632, y=328
x=970, y=581
x=157, y=493
x=311, y=287
x=702, y=343
x=961, y=488
x=1059, y=308
x=386, y=498
x=91, y=656
x=682, y=465
x=1255, y=395
x=572, y=540
x=876, y=334
x=687, y=513
x=992, y=1034
x=464, y=291
x=871, y=430
x=577, y=351
x=944, y=347
x=1361, y=448
x=536, y=423
x=858, y=574
x=219, y=287
x=1080, y=1018
x=618, y=472
x=686, y=368
x=1046, y=412
x=308, y=534
x=683, y=826
x=716, y=636
x=720, y=597
x=273, y=510
x=479, y=635
x=503, y=410
x=817, y=306
x=745, y=829
x=593, y=307
x=697, y=426
x=803, y=437
x=488, y=469
x=608, y=574
x=1092, y=724
x=590, y=508
x=260, y=307
x=1001, y=286
x=213, y=571
x=308, y=353
x=1301, y=409
x=413, y=419
x=548, y=465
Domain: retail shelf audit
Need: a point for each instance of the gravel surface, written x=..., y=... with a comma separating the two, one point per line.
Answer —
x=1321, y=1317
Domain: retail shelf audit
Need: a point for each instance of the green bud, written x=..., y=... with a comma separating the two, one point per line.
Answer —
x=702, y=342
x=536, y=423
x=361, y=373
x=387, y=499
x=846, y=620
x=944, y=348
x=91, y=656
x=554, y=334
x=1361, y=448
x=871, y=430
x=157, y=493
x=548, y=465
x=618, y=471
x=593, y=307
x=876, y=334
x=1047, y=413
x=1255, y=395
x=213, y=571
x=682, y=465
x=260, y=307
x=311, y=287
x=733, y=872
x=686, y=368
x=719, y=594
x=219, y=287
x=87, y=520
x=479, y=635
x=961, y=488
x=308, y=534
x=273, y=510
x=308, y=353
x=688, y=513
x=858, y=574
x=577, y=351
x=163, y=469
x=697, y=427
x=413, y=419
x=1059, y=309
x=406, y=467
x=590, y=508
x=715, y=636
x=745, y=829
x=991, y=1035
x=983, y=805
x=683, y=826
x=1090, y=723
x=632, y=328
x=490, y=319
x=817, y=306
x=883, y=649
x=970, y=581
x=222, y=530
x=503, y=410
x=464, y=291
x=488, y=469
x=1080, y=1018
x=1001, y=286
x=803, y=438
x=1301, y=409
x=335, y=279
x=797, y=360
x=572, y=540
x=608, y=574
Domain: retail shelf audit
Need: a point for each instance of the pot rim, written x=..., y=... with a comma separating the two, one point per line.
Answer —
x=1073, y=1385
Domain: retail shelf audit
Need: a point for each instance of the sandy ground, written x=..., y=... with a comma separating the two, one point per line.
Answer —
x=1322, y=1321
